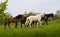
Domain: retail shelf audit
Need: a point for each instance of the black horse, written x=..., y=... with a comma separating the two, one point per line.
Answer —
x=23, y=20
x=47, y=16
x=12, y=19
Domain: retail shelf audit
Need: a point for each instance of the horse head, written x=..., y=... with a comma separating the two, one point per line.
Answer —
x=52, y=15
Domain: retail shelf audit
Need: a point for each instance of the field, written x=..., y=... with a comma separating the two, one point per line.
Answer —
x=50, y=30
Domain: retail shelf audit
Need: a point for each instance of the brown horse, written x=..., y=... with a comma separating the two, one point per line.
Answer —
x=12, y=19
x=47, y=16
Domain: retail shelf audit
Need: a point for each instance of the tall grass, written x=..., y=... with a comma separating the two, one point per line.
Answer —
x=50, y=30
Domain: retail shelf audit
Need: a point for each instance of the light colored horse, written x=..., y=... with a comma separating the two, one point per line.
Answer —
x=34, y=18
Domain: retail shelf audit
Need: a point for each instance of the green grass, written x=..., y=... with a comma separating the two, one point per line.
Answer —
x=50, y=30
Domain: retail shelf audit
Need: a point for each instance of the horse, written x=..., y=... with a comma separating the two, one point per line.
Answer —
x=37, y=18
x=47, y=16
x=12, y=19
x=23, y=19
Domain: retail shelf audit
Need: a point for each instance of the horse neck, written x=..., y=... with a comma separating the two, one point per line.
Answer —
x=50, y=16
x=16, y=18
x=19, y=16
x=40, y=15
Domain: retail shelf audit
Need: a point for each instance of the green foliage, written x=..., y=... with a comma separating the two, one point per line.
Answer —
x=56, y=16
x=30, y=13
x=3, y=7
x=58, y=13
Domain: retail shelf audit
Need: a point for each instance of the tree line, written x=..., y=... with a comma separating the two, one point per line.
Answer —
x=3, y=14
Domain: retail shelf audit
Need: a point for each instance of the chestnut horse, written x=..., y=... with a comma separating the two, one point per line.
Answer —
x=12, y=19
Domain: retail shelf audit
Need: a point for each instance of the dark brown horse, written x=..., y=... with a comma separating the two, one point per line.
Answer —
x=12, y=19
x=23, y=20
x=47, y=16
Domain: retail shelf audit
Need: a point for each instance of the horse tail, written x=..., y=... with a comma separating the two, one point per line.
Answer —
x=27, y=22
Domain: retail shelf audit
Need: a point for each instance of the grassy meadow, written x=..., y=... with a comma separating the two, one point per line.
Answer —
x=50, y=30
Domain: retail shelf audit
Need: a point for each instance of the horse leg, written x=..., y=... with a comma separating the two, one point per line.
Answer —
x=30, y=23
x=46, y=21
x=37, y=24
x=5, y=25
x=40, y=23
x=21, y=23
x=16, y=25
x=9, y=24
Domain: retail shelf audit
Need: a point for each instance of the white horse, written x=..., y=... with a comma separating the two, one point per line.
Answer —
x=34, y=18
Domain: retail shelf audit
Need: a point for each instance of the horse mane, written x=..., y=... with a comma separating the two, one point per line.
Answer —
x=19, y=16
